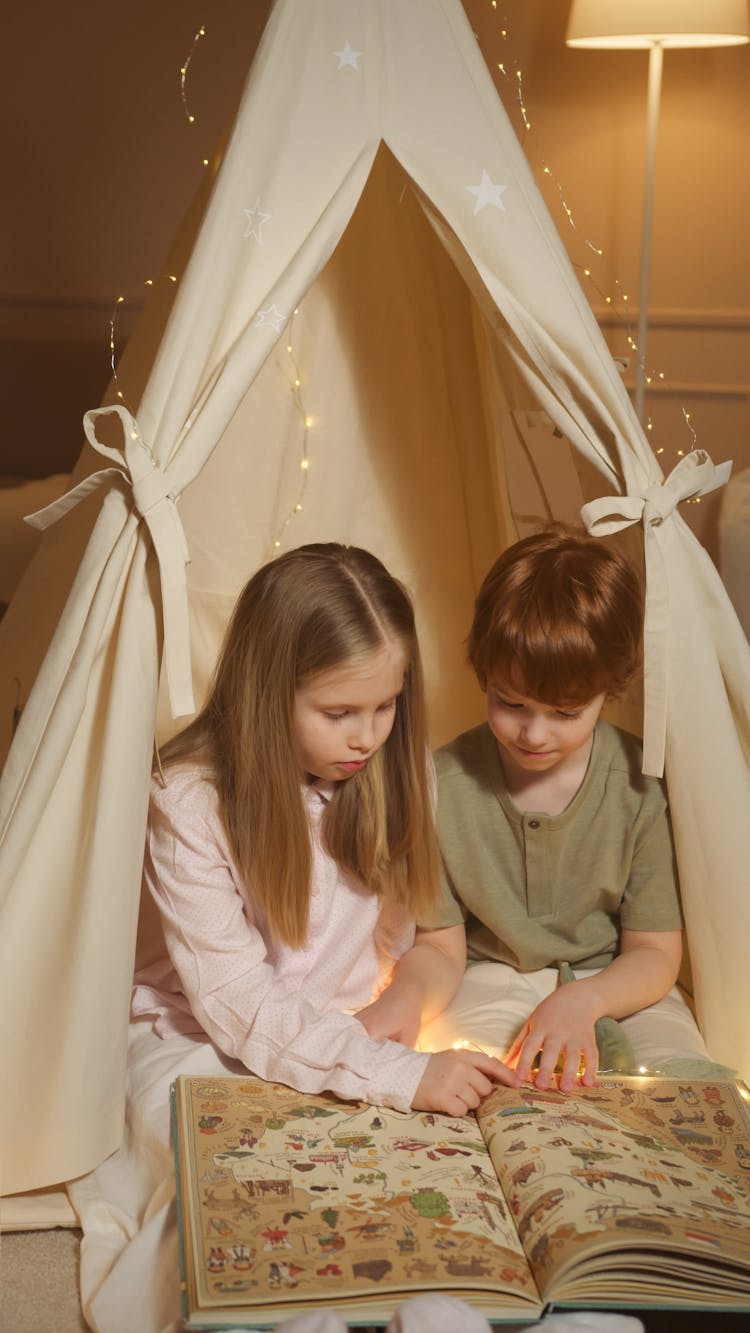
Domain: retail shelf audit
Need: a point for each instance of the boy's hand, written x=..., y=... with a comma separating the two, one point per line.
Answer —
x=395, y=1014
x=455, y=1082
x=562, y=1029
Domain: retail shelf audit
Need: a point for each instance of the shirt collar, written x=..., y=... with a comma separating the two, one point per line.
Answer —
x=322, y=788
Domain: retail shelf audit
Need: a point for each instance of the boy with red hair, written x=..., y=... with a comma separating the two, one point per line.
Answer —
x=555, y=847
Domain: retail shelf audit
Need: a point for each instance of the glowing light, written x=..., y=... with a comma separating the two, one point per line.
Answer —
x=184, y=68
x=306, y=420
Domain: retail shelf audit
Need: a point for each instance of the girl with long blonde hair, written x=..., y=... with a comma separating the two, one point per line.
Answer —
x=291, y=849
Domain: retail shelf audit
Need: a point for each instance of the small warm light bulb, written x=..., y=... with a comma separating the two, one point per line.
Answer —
x=289, y=347
x=642, y=1069
x=297, y=508
x=297, y=383
x=172, y=277
x=680, y=453
x=305, y=464
x=308, y=422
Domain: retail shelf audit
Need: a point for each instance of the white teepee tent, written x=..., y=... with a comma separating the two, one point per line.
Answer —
x=373, y=183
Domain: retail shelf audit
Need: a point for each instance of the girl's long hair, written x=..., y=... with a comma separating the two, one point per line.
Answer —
x=309, y=611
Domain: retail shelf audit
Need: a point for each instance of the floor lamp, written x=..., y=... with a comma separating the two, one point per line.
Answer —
x=654, y=25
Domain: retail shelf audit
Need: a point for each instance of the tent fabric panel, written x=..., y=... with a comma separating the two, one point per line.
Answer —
x=66, y=948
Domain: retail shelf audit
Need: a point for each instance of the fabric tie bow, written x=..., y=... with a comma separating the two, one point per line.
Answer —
x=694, y=475
x=155, y=503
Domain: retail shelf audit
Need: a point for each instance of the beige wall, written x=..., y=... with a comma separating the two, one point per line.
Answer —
x=103, y=164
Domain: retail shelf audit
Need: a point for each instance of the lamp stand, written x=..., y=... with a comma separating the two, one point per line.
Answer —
x=655, y=60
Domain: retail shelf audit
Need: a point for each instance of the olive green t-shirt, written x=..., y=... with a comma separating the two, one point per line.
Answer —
x=535, y=889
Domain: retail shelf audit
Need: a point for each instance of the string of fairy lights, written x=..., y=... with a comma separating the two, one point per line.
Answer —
x=612, y=296
x=511, y=71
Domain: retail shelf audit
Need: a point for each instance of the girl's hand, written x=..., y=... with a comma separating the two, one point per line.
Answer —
x=562, y=1029
x=455, y=1082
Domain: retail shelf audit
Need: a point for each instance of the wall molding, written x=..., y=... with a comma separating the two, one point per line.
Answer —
x=674, y=317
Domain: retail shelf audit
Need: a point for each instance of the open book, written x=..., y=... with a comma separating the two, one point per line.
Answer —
x=634, y=1193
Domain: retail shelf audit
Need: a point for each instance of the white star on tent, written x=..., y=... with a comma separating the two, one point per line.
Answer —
x=270, y=316
x=348, y=57
x=487, y=192
x=256, y=220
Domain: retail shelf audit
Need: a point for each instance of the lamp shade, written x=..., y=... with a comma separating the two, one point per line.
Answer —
x=633, y=24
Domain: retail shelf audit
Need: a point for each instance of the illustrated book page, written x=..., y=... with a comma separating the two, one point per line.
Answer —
x=634, y=1192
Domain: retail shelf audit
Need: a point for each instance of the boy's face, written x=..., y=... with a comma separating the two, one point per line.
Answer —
x=536, y=736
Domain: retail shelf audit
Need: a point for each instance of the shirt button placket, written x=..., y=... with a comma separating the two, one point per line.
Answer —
x=537, y=869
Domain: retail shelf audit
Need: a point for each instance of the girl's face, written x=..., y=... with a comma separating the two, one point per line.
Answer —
x=535, y=736
x=343, y=716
